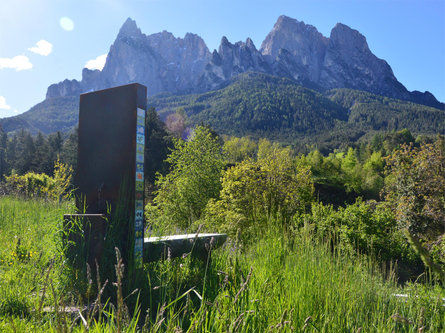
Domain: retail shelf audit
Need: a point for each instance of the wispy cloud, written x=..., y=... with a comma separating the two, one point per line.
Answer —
x=97, y=63
x=66, y=23
x=19, y=63
x=42, y=47
x=3, y=105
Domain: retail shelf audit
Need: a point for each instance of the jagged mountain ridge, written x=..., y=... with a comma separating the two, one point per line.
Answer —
x=292, y=49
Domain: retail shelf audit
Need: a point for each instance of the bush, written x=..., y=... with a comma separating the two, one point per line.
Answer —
x=194, y=178
x=258, y=193
x=32, y=185
x=362, y=226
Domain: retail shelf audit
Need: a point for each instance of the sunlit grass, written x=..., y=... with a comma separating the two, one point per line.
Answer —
x=280, y=282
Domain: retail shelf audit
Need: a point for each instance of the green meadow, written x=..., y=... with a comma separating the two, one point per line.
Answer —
x=283, y=281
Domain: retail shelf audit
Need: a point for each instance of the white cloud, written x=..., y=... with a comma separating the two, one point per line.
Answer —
x=3, y=105
x=66, y=23
x=18, y=63
x=42, y=47
x=97, y=63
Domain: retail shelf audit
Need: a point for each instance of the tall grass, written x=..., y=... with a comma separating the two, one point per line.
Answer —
x=300, y=284
x=281, y=282
x=30, y=242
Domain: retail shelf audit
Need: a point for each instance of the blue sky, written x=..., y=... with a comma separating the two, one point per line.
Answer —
x=47, y=41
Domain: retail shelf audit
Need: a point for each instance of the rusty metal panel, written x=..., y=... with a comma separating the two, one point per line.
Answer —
x=107, y=144
x=110, y=158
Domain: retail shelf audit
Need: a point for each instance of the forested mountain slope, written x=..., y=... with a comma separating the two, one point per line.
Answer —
x=261, y=105
x=51, y=115
x=258, y=105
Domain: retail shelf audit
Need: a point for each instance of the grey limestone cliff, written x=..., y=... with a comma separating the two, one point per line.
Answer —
x=293, y=49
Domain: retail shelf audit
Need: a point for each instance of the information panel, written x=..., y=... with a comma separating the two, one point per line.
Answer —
x=139, y=190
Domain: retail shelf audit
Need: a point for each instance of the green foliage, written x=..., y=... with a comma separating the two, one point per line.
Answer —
x=24, y=153
x=41, y=185
x=3, y=146
x=375, y=112
x=365, y=227
x=415, y=190
x=68, y=154
x=347, y=172
x=239, y=149
x=259, y=105
x=286, y=280
x=263, y=106
x=194, y=178
x=258, y=193
x=30, y=184
x=29, y=237
x=157, y=145
x=50, y=116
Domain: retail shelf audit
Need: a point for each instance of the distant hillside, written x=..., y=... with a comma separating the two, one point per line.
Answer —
x=374, y=112
x=49, y=116
x=260, y=105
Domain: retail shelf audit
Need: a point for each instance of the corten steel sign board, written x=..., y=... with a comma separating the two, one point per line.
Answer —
x=111, y=153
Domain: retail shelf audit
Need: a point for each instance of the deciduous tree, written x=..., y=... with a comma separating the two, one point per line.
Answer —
x=415, y=189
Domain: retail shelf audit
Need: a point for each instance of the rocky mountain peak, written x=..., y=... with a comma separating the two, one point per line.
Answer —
x=285, y=23
x=250, y=44
x=293, y=49
x=349, y=63
x=346, y=37
x=129, y=29
x=224, y=42
x=302, y=41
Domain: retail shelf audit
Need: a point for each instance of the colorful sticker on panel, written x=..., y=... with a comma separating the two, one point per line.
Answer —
x=139, y=224
x=141, y=113
x=140, y=186
x=141, y=130
x=139, y=204
x=139, y=214
x=139, y=176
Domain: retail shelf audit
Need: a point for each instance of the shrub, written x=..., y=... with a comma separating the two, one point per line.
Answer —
x=194, y=178
x=32, y=185
x=362, y=226
x=258, y=193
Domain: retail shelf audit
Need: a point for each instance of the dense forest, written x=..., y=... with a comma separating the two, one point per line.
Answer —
x=263, y=106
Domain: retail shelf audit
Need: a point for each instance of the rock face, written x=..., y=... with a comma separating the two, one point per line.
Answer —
x=305, y=45
x=348, y=63
x=231, y=60
x=64, y=88
x=292, y=49
x=159, y=61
